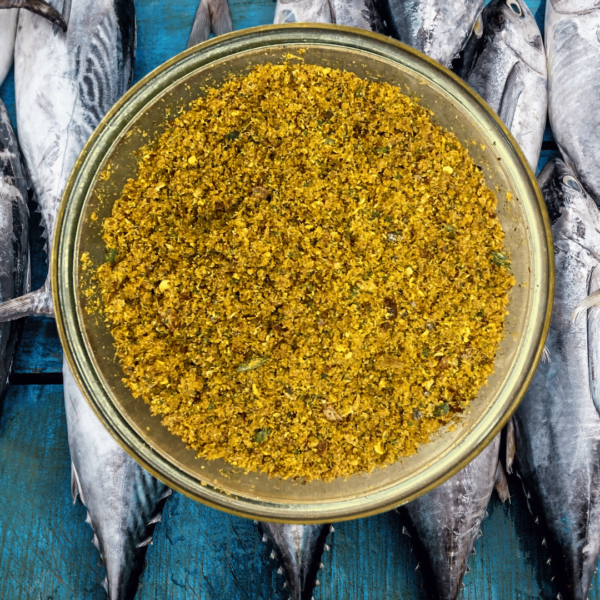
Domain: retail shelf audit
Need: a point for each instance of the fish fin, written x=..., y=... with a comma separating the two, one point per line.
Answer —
x=168, y=492
x=146, y=542
x=501, y=484
x=39, y=7
x=510, y=446
x=593, y=339
x=211, y=15
x=546, y=358
x=34, y=303
x=592, y=301
x=65, y=13
x=478, y=26
x=75, y=490
x=510, y=97
x=156, y=519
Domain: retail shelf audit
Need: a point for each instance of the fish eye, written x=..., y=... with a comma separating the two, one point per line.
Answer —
x=515, y=7
x=572, y=183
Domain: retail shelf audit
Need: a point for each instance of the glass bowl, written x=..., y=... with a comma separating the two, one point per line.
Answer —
x=108, y=160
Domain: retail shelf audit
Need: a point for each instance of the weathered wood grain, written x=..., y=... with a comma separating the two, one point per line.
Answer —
x=46, y=551
x=40, y=350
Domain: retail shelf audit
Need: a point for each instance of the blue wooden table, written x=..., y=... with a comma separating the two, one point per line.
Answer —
x=199, y=553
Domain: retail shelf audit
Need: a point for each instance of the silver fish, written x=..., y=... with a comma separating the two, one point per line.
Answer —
x=124, y=502
x=14, y=239
x=445, y=522
x=212, y=16
x=557, y=427
x=38, y=7
x=573, y=51
x=8, y=32
x=8, y=27
x=358, y=13
x=303, y=11
x=439, y=28
x=64, y=84
x=506, y=65
x=300, y=548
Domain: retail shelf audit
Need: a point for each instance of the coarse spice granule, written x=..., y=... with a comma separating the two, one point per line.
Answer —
x=308, y=275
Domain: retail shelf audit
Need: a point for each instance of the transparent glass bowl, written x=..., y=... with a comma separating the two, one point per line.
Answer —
x=141, y=115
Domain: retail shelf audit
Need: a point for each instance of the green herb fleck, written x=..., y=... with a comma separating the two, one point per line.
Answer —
x=111, y=255
x=253, y=363
x=441, y=410
x=260, y=435
x=500, y=260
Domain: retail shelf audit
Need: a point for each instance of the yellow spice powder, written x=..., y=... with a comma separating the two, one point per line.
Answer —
x=308, y=276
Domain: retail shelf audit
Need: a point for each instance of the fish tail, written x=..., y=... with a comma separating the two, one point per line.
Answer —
x=220, y=16
x=39, y=7
x=212, y=15
x=34, y=303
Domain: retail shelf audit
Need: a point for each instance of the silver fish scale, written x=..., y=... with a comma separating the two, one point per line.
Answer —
x=557, y=426
x=14, y=239
x=439, y=28
x=506, y=65
x=8, y=31
x=300, y=548
x=573, y=50
x=123, y=500
x=64, y=84
x=447, y=521
x=303, y=11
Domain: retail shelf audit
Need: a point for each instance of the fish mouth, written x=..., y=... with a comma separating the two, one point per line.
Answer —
x=525, y=61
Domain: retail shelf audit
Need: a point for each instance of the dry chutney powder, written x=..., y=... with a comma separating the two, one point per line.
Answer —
x=308, y=276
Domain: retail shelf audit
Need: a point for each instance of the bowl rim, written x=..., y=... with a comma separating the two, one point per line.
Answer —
x=123, y=433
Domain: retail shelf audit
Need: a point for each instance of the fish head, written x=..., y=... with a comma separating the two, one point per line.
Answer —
x=573, y=214
x=515, y=23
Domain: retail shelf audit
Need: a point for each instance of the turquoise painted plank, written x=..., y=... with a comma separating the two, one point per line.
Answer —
x=40, y=350
x=46, y=551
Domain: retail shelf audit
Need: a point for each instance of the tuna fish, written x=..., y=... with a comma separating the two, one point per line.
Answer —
x=506, y=65
x=445, y=522
x=38, y=7
x=358, y=13
x=300, y=548
x=303, y=11
x=439, y=28
x=64, y=84
x=8, y=29
x=557, y=427
x=14, y=239
x=573, y=51
x=363, y=14
x=124, y=502
x=212, y=16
